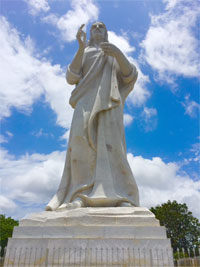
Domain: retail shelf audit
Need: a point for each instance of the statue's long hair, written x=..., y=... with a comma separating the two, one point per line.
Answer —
x=91, y=41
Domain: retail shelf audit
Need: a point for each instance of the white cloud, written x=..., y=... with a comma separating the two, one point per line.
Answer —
x=120, y=41
x=57, y=92
x=9, y=134
x=196, y=152
x=65, y=136
x=140, y=94
x=192, y=108
x=171, y=3
x=170, y=46
x=24, y=78
x=159, y=182
x=34, y=177
x=6, y=205
x=3, y=139
x=41, y=133
x=128, y=119
x=30, y=181
x=37, y=6
x=149, y=112
x=19, y=86
x=149, y=116
x=82, y=12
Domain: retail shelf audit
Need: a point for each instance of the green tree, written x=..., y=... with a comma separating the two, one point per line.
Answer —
x=6, y=229
x=182, y=228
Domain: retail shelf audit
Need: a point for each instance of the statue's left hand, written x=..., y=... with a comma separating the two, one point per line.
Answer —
x=109, y=49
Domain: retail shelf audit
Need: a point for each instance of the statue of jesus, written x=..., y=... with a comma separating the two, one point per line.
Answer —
x=97, y=172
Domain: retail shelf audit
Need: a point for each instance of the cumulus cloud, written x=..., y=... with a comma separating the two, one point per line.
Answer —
x=192, y=108
x=18, y=84
x=82, y=12
x=159, y=182
x=6, y=205
x=170, y=46
x=30, y=178
x=25, y=77
x=171, y=3
x=121, y=41
x=37, y=6
x=65, y=136
x=140, y=94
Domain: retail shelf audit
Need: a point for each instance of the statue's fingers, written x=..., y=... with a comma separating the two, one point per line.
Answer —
x=81, y=26
x=78, y=36
x=84, y=36
x=78, y=32
x=80, y=29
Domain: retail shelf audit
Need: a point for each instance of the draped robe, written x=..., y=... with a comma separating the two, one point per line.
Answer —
x=96, y=167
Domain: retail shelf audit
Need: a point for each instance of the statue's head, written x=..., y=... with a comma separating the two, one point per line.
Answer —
x=98, y=30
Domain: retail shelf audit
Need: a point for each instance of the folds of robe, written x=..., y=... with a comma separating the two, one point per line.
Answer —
x=96, y=167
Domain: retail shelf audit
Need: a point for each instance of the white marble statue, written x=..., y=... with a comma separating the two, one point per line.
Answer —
x=96, y=172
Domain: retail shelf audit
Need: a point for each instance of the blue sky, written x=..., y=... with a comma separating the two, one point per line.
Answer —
x=161, y=115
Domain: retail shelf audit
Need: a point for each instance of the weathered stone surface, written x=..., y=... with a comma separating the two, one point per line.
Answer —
x=134, y=216
x=97, y=172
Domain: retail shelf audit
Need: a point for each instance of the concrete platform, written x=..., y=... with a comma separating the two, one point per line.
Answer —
x=90, y=237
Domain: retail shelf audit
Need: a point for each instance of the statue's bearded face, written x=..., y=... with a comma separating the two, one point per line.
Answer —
x=98, y=30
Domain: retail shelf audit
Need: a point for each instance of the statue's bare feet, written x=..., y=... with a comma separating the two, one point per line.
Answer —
x=48, y=208
x=126, y=204
x=77, y=203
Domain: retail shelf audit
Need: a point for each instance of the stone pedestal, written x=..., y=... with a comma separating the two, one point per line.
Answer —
x=90, y=237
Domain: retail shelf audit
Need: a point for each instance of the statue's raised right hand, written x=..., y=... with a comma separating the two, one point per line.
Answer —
x=81, y=37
